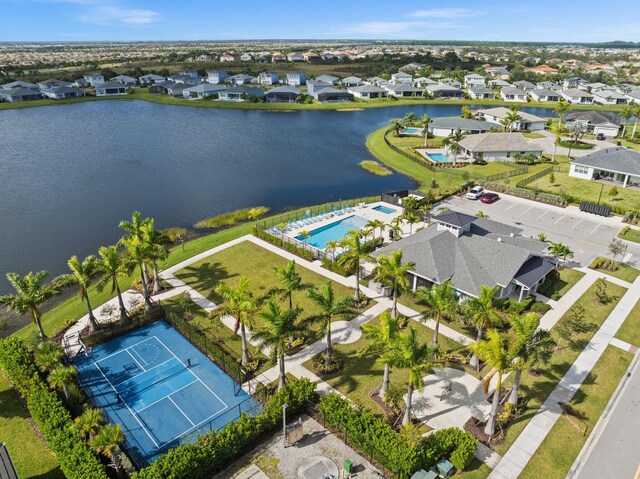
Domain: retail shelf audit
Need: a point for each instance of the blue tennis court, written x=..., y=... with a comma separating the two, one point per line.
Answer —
x=161, y=389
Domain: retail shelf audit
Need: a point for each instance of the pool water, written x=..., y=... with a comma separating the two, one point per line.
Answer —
x=439, y=158
x=333, y=232
x=384, y=209
x=411, y=130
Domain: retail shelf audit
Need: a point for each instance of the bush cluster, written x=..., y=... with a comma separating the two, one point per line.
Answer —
x=214, y=451
x=604, y=263
x=76, y=459
x=530, y=194
x=400, y=455
x=303, y=253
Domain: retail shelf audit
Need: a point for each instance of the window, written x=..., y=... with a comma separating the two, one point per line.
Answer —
x=582, y=170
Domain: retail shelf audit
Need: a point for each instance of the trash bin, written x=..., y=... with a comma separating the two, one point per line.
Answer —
x=347, y=466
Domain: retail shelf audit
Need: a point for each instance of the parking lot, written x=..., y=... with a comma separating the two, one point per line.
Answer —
x=587, y=235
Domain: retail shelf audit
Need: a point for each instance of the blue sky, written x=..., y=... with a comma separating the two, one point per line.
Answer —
x=537, y=20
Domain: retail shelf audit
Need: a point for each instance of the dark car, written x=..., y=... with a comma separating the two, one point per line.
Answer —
x=600, y=136
x=489, y=197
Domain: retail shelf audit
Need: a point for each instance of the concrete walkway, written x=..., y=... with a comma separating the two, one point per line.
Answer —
x=519, y=454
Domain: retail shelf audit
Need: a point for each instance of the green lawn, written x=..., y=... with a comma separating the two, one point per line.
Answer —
x=532, y=135
x=30, y=455
x=558, y=286
x=558, y=451
x=624, y=272
x=477, y=470
x=588, y=190
x=630, y=234
x=256, y=263
x=630, y=329
x=536, y=389
x=361, y=375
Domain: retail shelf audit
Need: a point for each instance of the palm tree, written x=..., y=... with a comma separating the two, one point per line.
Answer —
x=81, y=274
x=376, y=224
x=88, y=423
x=240, y=305
x=49, y=356
x=112, y=264
x=511, y=119
x=483, y=313
x=156, y=241
x=281, y=227
x=332, y=246
x=106, y=442
x=636, y=115
x=542, y=237
x=560, y=251
x=281, y=325
x=626, y=114
x=494, y=350
x=290, y=282
x=577, y=131
x=561, y=109
x=396, y=126
x=440, y=299
x=32, y=292
x=305, y=235
x=355, y=251
x=409, y=119
x=408, y=353
x=411, y=218
x=330, y=309
x=530, y=346
x=257, y=212
x=61, y=377
x=382, y=338
x=556, y=142
x=452, y=145
x=424, y=123
x=392, y=272
x=138, y=250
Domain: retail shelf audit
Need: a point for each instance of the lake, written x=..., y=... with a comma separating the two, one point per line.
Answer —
x=70, y=173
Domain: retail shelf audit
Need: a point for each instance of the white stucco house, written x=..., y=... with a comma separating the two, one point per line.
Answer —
x=473, y=79
x=510, y=93
x=216, y=77
x=296, y=78
x=367, y=92
x=577, y=97
x=596, y=122
x=544, y=95
x=527, y=120
x=401, y=77
x=268, y=78
x=481, y=92
x=609, y=97
x=497, y=147
x=111, y=88
x=618, y=165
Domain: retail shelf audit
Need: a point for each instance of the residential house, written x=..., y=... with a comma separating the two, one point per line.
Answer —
x=445, y=126
x=451, y=82
x=633, y=96
x=111, y=88
x=311, y=57
x=481, y=92
x=332, y=95
x=401, y=77
x=53, y=83
x=204, y=90
x=19, y=94
x=124, y=80
x=511, y=93
x=544, y=95
x=498, y=72
x=329, y=79
x=216, y=77
x=268, y=78
x=193, y=74
x=351, y=82
x=403, y=90
x=473, y=79
x=246, y=57
x=368, y=92
x=94, y=79
x=609, y=97
x=472, y=252
x=524, y=85
x=527, y=122
x=295, y=57
x=497, y=147
x=242, y=79
x=262, y=59
x=240, y=93
x=62, y=92
x=593, y=87
x=577, y=97
x=278, y=57
x=314, y=86
x=282, y=94
x=185, y=79
x=19, y=84
x=444, y=91
x=423, y=82
x=498, y=83
x=227, y=57
x=596, y=122
x=296, y=78
x=618, y=165
x=548, y=85
x=572, y=82
x=150, y=79
x=377, y=81
x=543, y=70
x=170, y=88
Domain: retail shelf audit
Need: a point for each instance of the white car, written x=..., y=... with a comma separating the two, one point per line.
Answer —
x=475, y=193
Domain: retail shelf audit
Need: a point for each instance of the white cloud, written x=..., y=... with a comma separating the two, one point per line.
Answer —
x=117, y=15
x=445, y=13
x=390, y=28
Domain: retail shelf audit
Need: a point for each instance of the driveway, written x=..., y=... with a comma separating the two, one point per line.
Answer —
x=587, y=235
x=547, y=144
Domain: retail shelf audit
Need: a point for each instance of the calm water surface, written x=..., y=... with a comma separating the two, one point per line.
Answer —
x=70, y=173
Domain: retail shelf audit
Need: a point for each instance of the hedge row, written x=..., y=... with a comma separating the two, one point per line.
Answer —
x=76, y=459
x=291, y=248
x=214, y=451
x=375, y=437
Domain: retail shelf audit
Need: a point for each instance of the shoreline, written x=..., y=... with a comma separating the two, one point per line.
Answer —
x=292, y=107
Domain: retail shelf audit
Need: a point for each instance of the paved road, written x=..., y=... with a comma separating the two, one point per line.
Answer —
x=588, y=236
x=547, y=144
x=616, y=452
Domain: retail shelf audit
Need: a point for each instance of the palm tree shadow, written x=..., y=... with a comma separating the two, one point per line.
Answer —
x=7, y=397
x=205, y=277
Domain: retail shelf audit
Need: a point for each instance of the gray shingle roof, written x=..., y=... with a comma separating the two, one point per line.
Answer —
x=489, y=142
x=619, y=160
x=502, y=112
x=510, y=90
x=461, y=124
x=403, y=87
x=533, y=270
x=454, y=218
x=367, y=89
x=594, y=117
x=481, y=89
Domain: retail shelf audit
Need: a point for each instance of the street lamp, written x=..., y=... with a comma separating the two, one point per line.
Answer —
x=284, y=424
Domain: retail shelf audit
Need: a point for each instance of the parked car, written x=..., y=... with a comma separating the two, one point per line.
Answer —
x=600, y=136
x=489, y=197
x=475, y=192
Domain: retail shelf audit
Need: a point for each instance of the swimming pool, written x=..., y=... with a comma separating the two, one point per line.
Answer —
x=412, y=130
x=333, y=231
x=384, y=209
x=439, y=158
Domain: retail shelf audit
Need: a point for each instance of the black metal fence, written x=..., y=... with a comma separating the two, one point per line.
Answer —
x=534, y=177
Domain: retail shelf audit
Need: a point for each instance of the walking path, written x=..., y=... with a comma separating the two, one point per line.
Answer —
x=519, y=454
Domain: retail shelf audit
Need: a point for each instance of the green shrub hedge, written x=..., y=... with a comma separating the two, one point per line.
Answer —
x=303, y=253
x=375, y=437
x=76, y=459
x=214, y=451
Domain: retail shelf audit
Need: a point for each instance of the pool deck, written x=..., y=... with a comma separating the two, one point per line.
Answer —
x=425, y=152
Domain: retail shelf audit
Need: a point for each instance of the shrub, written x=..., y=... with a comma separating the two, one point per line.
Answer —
x=214, y=451
x=303, y=253
x=539, y=307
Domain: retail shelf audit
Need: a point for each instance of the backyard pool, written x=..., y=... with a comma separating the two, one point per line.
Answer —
x=335, y=231
x=439, y=158
x=384, y=209
x=412, y=130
